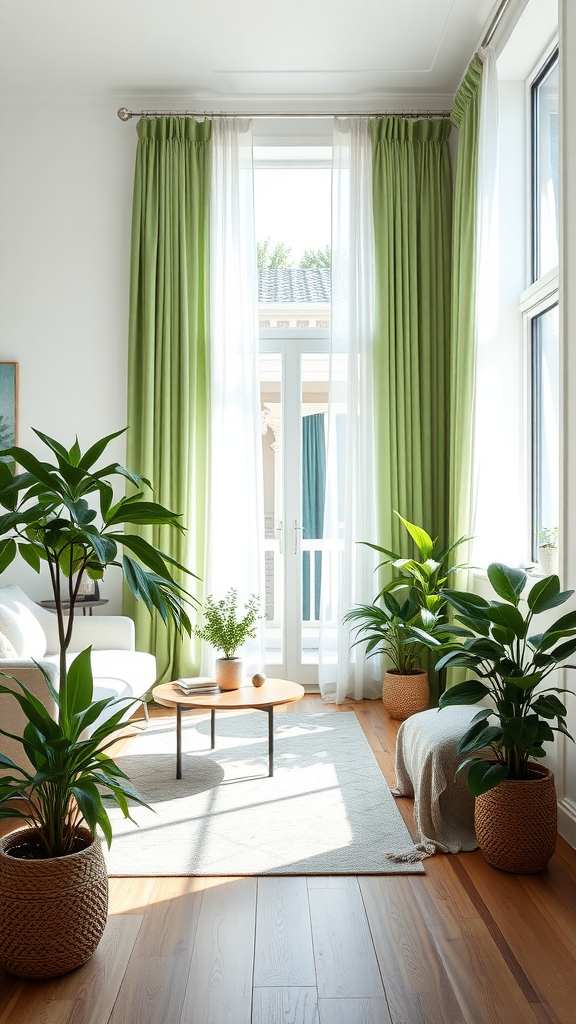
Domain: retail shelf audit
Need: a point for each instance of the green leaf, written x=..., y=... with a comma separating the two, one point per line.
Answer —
x=76, y=694
x=509, y=617
x=30, y=555
x=523, y=682
x=508, y=583
x=479, y=735
x=421, y=539
x=549, y=706
x=541, y=591
x=468, y=604
x=468, y=692
x=7, y=552
x=563, y=650
x=93, y=454
x=484, y=775
x=522, y=731
x=143, y=513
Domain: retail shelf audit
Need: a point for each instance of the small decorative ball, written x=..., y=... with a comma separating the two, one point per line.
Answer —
x=258, y=679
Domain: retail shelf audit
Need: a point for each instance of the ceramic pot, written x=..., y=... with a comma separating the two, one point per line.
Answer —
x=52, y=911
x=405, y=695
x=548, y=561
x=229, y=673
x=517, y=821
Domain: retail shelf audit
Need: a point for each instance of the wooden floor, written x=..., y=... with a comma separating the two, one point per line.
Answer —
x=464, y=943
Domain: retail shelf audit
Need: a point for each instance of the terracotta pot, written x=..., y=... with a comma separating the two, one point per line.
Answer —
x=517, y=822
x=229, y=673
x=405, y=695
x=52, y=911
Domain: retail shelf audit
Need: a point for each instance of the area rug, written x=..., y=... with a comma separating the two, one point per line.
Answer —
x=326, y=810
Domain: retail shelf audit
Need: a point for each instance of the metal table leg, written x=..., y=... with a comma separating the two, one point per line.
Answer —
x=212, y=729
x=270, y=711
x=178, y=741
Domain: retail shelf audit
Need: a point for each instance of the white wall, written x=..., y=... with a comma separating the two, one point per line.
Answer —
x=566, y=772
x=66, y=174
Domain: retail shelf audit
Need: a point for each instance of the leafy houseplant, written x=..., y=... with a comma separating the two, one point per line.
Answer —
x=394, y=629
x=49, y=519
x=390, y=631
x=226, y=631
x=510, y=664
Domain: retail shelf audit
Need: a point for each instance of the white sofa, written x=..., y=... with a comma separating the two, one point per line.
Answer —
x=29, y=633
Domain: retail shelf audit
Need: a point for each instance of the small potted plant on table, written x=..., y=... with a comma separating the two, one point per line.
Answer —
x=548, y=550
x=53, y=881
x=515, y=809
x=227, y=632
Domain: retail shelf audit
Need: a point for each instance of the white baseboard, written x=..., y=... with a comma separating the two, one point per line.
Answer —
x=567, y=820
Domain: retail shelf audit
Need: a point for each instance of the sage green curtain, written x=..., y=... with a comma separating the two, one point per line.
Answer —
x=168, y=356
x=466, y=117
x=412, y=237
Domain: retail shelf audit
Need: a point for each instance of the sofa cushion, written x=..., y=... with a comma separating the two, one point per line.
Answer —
x=19, y=624
x=6, y=648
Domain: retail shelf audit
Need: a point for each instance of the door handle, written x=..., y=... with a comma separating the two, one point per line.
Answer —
x=280, y=531
x=296, y=528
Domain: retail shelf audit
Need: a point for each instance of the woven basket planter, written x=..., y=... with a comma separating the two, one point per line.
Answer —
x=53, y=911
x=403, y=696
x=516, y=822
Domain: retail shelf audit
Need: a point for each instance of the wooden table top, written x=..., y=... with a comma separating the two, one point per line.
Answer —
x=274, y=691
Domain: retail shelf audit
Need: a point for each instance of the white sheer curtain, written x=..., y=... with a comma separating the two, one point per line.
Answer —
x=234, y=555
x=488, y=523
x=350, y=514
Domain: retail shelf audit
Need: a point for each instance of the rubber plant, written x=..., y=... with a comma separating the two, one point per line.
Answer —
x=49, y=518
x=511, y=665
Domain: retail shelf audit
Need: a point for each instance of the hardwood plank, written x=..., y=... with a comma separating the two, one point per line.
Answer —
x=354, y=1011
x=93, y=988
x=487, y=990
x=417, y=986
x=331, y=881
x=153, y=991
x=517, y=924
x=171, y=917
x=10, y=989
x=129, y=895
x=220, y=987
x=284, y=955
x=35, y=1007
x=346, y=964
x=554, y=893
x=285, y=1006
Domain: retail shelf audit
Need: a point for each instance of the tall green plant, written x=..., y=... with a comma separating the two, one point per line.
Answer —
x=510, y=665
x=49, y=519
x=388, y=630
x=426, y=578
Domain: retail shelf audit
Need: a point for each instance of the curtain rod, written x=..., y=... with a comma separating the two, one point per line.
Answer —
x=126, y=115
x=495, y=22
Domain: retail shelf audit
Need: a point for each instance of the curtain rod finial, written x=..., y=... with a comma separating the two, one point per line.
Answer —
x=124, y=114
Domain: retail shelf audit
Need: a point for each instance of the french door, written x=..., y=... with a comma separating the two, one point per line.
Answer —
x=294, y=378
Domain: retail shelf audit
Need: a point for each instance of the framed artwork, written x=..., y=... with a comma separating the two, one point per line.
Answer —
x=8, y=404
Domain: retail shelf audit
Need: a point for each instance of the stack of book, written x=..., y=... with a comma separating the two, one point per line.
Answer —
x=197, y=684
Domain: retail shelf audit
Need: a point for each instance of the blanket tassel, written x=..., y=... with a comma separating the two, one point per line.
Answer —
x=413, y=853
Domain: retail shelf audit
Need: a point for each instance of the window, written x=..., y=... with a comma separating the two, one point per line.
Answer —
x=544, y=95
x=293, y=232
x=545, y=344
x=540, y=308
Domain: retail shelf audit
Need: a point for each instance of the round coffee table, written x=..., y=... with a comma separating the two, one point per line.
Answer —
x=263, y=698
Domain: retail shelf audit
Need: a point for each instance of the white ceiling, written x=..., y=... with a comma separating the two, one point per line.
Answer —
x=241, y=52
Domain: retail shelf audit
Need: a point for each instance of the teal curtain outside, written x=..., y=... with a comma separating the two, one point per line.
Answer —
x=168, y=354
x=313, y=499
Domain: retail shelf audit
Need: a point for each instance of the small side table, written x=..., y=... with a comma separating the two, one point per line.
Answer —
x=263, y=698
x=79, y=604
